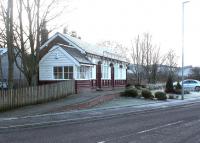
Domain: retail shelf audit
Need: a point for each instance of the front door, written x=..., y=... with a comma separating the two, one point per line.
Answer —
x=98, y=75
x=112, y=75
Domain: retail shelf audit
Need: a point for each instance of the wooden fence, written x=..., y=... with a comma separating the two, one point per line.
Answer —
x=10, y=99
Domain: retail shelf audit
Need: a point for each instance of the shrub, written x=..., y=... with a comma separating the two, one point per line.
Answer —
x=143, y=86
x=130, y=92
x=171, y=97
x=146, y=94
x=169, y=85
x=138, y=86
x=128, y=85
x=160, y=95
x=178, y=86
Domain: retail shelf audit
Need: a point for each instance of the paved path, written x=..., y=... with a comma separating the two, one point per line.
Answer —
x=72, y=102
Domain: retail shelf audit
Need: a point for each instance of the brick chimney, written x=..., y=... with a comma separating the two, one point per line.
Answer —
x=44, y=33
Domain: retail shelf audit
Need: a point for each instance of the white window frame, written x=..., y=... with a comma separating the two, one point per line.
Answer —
x=105, y=71
x=84, y=72
x=63, y=72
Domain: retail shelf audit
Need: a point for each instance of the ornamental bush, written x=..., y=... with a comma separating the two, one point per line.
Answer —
x=178, y=86
x=128, y=85
x=130, y=92
x=160, y=95
x=138, y=86
x=146, y=94
x=169, y=85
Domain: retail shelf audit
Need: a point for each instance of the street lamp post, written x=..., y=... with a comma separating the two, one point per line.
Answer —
x=182, y=90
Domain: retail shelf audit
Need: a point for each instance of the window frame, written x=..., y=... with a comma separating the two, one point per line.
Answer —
x=63, y=72
x=105, y=71
x=84, y=72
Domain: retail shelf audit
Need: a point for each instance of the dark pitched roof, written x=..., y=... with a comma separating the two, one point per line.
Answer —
x=76, y=54
x=82, y=46
x=57, y=40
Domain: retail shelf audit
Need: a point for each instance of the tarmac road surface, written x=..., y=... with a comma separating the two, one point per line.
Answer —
x=169, y=125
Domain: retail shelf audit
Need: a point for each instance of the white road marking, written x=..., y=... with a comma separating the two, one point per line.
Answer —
x=159, y=127
x=144, y=131
x=101, y=142
x=33, y=124
x=8, y=119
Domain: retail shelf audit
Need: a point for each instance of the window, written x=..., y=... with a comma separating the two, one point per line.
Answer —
x=84, y=72
x=61, y=72
x=120, y=71
x=68, y=72
x=58, y=73
x=193, y=82
x=186, y=82
x=105, y=71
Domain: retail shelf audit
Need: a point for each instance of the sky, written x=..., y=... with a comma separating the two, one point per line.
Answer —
x=123, y=20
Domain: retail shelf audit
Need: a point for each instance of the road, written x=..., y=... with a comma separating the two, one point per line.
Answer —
x=169, y=125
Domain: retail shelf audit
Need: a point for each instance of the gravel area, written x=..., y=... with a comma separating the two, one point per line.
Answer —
x=129, y=101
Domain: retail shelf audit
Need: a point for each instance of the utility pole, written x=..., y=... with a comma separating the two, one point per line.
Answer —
x=182, y=78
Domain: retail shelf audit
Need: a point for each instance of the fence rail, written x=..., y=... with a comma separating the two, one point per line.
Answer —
x=13, y=98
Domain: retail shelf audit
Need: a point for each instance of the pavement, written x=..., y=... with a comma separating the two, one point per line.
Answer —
x=72, y=102
x=93, y=103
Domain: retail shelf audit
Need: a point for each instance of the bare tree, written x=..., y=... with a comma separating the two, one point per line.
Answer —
x=148, y=51
x=157, y=62
x=25, y=33
x=146, y=59
x=1, y=70
x=195, y=73
x=137, y=56
x=30, y=35
x=171, y=62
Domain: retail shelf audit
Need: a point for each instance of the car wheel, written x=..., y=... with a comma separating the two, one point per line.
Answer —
x=197, y=88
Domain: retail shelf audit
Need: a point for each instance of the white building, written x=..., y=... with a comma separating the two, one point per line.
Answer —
x=64, y=57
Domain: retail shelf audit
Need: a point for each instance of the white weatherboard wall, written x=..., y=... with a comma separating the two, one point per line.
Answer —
x=55, y=57
x=94, y=72
x=120, y=73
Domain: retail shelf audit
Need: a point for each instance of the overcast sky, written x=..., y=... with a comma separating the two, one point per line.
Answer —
x=123, y=20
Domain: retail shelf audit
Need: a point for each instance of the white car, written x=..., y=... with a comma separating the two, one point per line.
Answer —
x=190, y=84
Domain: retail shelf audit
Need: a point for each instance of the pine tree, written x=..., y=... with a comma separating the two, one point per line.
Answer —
x=169, y=85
